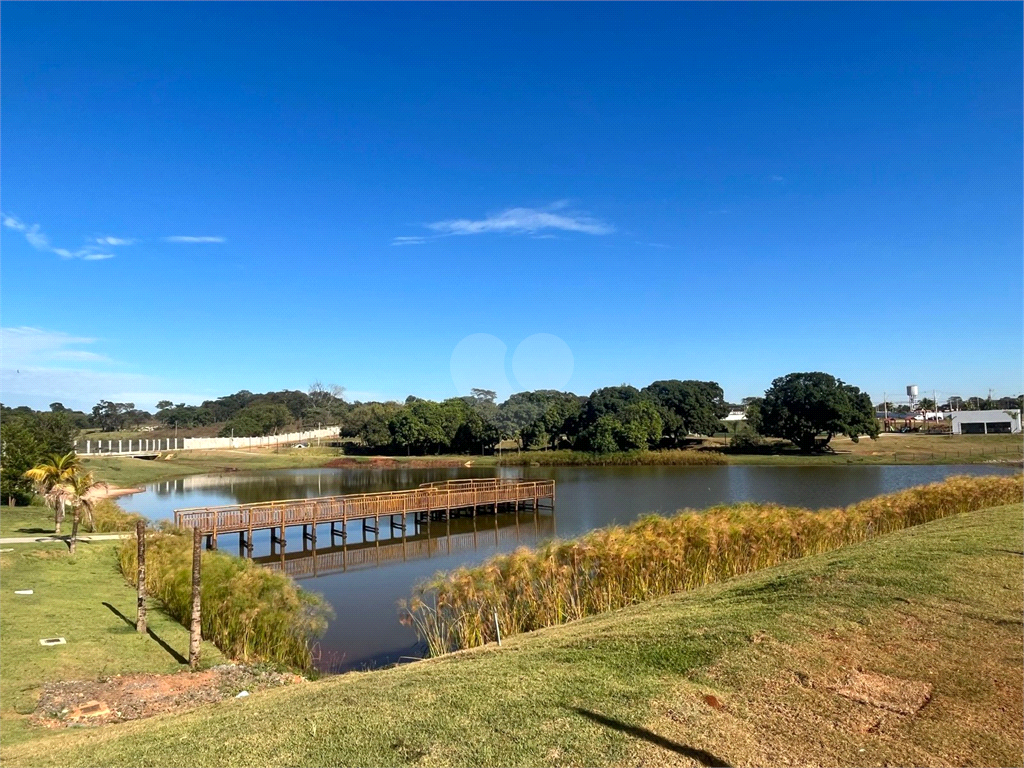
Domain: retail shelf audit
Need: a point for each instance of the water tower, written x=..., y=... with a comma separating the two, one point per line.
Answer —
x=912, y=394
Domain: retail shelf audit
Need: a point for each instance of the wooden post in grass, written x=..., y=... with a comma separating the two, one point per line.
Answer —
x=195, y=633
x=140, y=615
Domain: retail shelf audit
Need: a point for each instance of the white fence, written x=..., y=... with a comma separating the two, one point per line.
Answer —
x=136, y=446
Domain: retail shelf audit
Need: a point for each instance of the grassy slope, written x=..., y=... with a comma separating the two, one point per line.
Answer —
x=940, y=602
x=69, y=598
x=128, y=471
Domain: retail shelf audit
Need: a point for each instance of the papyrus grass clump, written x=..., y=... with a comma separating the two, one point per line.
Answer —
x=249, y=612
x=614, y=567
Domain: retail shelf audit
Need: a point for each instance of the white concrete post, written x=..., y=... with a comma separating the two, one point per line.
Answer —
x=119, y=446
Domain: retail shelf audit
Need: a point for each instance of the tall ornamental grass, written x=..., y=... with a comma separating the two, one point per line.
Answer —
x=614, y=567
x=249, y=612
x=674, y=457
x=108, y=517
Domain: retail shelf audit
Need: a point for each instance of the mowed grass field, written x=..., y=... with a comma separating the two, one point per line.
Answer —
x=890, y=448
x=85, y=600
x=35, y=520
x=938, y=605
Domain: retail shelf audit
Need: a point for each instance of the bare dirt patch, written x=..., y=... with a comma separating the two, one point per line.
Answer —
x=131, y=697
x=905, y=697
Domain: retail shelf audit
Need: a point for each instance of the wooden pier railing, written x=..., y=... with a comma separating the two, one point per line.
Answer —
x=430, y=497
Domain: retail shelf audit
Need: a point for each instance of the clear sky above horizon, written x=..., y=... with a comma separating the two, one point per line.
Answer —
x=413, y=199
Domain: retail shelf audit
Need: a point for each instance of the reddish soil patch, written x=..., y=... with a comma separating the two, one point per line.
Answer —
x=130, y=697
x=385, y=462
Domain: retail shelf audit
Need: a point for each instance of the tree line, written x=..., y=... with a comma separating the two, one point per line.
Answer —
x=27, y=438
x=610, y=419
x=807, y=409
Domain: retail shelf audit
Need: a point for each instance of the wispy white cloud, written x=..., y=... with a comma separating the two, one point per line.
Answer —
x=525, y=221
x=409, y=240
x=82, y=388
x=26, y=346
x=37, y=239
x=32, y=232
x=38, y=367
x=79, y=355
x=64, y=253
x=95, y=250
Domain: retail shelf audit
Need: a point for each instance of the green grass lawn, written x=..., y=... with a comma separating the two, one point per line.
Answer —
x=78, y=598
x=29, y=521
x=940, y=603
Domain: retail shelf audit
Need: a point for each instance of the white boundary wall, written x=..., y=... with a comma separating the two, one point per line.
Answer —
x=154, y=445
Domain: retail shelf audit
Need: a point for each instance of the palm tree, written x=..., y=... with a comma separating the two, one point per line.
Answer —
x=81, y=491
x=56, y=469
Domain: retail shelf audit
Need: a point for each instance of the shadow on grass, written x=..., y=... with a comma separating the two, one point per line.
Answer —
x=702, y=757
x=47, y=531
x=177, y=656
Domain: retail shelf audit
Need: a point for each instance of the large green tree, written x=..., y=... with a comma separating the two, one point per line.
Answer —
x=699, y=406
x=258, y=419
x=640, y=426
x=809, y=409
x=19, y=451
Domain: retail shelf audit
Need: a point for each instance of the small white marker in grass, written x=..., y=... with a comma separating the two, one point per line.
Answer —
x=23, y=592
x=53, y=641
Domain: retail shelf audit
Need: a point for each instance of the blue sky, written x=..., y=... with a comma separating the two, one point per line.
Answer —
x=400, y=199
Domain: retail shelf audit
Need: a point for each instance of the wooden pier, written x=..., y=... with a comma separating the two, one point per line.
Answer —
x=437, y=501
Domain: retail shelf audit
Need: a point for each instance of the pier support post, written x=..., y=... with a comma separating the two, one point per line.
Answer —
x=335, y=532
x=195, y=630
x=140, y=616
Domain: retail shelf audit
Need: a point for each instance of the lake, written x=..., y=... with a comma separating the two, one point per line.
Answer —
x=365, y=580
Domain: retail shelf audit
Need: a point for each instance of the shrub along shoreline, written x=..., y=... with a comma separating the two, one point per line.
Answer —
x=618, y=566
x=250, y=613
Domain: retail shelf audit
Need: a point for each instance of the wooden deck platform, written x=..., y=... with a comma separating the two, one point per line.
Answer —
x=439, y=500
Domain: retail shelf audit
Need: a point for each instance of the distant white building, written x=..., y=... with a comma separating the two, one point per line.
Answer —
x=735, y=416
x=986, y=422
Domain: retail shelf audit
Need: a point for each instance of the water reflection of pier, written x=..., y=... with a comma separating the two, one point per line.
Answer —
x=432, y=538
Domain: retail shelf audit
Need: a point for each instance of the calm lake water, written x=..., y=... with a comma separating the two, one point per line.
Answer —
x=365, y=581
